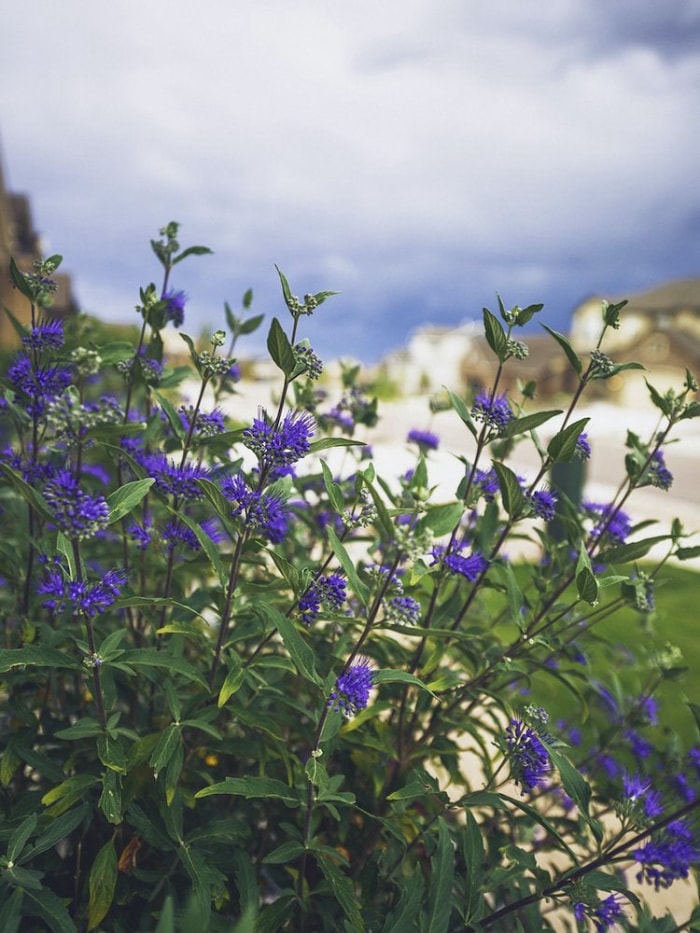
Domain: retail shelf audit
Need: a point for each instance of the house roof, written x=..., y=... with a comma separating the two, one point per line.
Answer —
x=680, y=293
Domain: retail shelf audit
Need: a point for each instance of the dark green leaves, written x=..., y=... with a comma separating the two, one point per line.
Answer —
x=280, y=348
x=495, y=335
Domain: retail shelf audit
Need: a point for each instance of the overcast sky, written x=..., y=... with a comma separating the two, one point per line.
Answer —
x=416, y=155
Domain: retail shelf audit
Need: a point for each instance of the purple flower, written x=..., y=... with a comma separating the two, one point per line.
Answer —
x=470, y=567
x=529, y=761
x=426, y=440
x=658, y=473
x=87, y=599
x=487, y=482
x=352, y=688
x=544, y=504
x=583, y=448
x=261, y=512
x=140, y=534
x=40, y=384
x=206, y=424
x=327, y=592
x=604, y=915
x=179, y=481
x=404, y=610
x=76, y=514
x=45, y=336
x=667, y=857
x=175, y=307
x=282, y=446
x=494, y=412
x=614, y=524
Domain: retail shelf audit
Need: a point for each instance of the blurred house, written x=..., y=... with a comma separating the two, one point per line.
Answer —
x=20, y=241
x=659, y=328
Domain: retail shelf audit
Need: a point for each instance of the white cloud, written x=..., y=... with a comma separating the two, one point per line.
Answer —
x=383, y=149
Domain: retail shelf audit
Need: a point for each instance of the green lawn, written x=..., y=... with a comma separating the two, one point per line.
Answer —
x=628, y=634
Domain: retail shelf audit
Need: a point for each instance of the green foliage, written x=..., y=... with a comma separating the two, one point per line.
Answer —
x=249, y=684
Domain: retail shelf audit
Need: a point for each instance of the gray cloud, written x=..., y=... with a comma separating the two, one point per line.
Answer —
x=417, y=157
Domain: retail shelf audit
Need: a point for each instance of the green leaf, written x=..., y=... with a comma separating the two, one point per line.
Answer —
x=254, y=787
x=61, y=827
x=280, y=348
x=19, y=280
x=69, y=791
x=586, y=583
x=11, y=912
x=287, y=852
x=19, y=837
x=45, y=904
x=150, y=657
x=562, y=446
x=441, y=880
x=124, y=499
x=83, y=729
x=460, y=407
x=567, y=348
x=28, y=493
x=251, y=324
x=102, y=884
x=344, y=892
x=386, y=676
x=207, y=545
x=511, y=493
x=192, y=251
x=441, y=519
x=111, y=797
x=495, y=335
x=325, y=443
x=298, y=649
x=473, y=857
x=408, y=908
x=629, y=552
x=165, y=748
x=234, y=680
x=573, y=782
x=530, y=422
x=687, y=553
x=286, y=291
x=171, y=414
x=36, y=656
x=346, y=562
x=166, y=921
x=334, y=491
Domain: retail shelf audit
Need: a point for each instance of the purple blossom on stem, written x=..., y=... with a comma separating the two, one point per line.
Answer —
x=352, y=688
x=425, y=440
x=659, y=474
x=45, y=336
x=171, y=478
x=76, y=514
x=583, y=448
x=261, y=512
x=486, y=481
x=281, y=446
x=544, y=504
x=604, y=915
x=175, y=307
x=327, y=592
x=495, y=413
x=81, y=597
x=614, y=524
x=41, y=384
x=668, y=857
x=470, y=567
x=529, y=761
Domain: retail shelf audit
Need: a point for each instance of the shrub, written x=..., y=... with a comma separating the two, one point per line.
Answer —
x=245, y=690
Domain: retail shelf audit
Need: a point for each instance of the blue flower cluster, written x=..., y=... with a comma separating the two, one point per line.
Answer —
x=668, y=857
x=76, y=514
x=327, y=592
x=494, y=412
x=79, y=596
x=425, y=440
x=352, y=688
x=179, y=480
x=262, y=512
x=529, y=761
x=281, y=446
x=604, y=915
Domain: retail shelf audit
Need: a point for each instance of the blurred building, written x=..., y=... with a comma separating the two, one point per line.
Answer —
x=20, y=241
x=659, y=328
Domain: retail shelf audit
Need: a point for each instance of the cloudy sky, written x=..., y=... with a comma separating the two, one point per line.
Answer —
x=418, y=156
